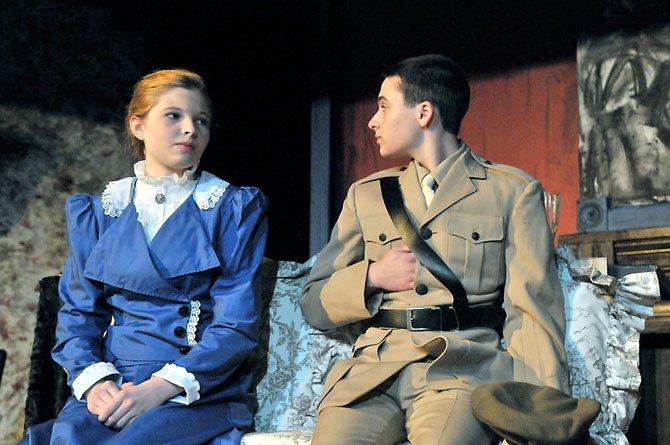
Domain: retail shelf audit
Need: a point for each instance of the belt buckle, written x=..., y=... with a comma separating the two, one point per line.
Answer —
x=410, y=317
x=458, y=322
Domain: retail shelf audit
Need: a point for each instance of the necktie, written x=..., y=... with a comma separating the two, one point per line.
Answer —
x=428, y=186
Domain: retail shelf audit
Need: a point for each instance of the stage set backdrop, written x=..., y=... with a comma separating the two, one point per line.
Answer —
x=596, y=125
x=624, y=106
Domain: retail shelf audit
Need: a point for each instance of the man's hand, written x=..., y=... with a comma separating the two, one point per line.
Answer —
x=394, y=272
x=132, y=400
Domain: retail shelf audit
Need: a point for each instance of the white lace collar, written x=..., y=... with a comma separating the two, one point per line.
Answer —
x=117, y=194
x=140, y=169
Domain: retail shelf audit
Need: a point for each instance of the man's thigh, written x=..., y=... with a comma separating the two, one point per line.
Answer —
x=375, y=420
x=445, y=418
x=437, y=417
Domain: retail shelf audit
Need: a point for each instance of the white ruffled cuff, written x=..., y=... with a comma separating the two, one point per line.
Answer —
x=181, y=377
x=91, y=375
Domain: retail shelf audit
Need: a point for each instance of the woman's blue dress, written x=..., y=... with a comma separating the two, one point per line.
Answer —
x=188, y=298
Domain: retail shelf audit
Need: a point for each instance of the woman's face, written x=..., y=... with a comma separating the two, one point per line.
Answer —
x=175, y=131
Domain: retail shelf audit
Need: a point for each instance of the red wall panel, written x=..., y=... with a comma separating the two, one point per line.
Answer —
x=530, y=119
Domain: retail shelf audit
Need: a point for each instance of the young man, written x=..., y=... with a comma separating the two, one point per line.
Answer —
x=412, y=370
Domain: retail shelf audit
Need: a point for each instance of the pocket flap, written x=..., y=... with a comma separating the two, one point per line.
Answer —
x=381, y=234
x=475, y=228
x=371, y=337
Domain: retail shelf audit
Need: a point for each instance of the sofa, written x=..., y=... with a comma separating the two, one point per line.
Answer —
x=605, y=316
x=289, y=364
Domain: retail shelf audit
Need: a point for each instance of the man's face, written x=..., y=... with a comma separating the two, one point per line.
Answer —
x=396, y=125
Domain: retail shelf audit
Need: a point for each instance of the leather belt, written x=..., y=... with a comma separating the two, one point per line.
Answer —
x=438, y=318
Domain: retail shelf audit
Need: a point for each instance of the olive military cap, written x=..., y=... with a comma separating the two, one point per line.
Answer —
x=521, y=412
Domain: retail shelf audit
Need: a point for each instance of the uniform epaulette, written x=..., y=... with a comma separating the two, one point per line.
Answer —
x=503, y=168
x=393, y=171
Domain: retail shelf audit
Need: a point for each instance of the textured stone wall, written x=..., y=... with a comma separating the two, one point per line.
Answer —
x=66, y=74
x=60, y=156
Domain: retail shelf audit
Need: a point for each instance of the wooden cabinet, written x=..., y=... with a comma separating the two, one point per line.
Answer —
x=650, y=246
x=632, y=247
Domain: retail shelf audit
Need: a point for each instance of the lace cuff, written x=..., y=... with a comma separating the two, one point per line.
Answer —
x=91, y=375
x=181, y=377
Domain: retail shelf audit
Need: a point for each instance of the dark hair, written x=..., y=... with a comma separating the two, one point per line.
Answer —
x=147, y=92
x=440, y=81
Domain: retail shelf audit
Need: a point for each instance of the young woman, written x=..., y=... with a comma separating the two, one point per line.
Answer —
x=159, y=304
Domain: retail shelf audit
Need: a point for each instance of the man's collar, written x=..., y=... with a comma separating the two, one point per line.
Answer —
x=443, y=167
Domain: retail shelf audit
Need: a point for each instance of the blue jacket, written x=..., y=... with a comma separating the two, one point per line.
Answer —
x=208, y=252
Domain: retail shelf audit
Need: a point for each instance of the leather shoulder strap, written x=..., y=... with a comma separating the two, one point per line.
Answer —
x=395, y=207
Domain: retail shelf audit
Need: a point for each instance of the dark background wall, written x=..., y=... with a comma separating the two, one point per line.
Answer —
x=82, y=58
x=266, y=60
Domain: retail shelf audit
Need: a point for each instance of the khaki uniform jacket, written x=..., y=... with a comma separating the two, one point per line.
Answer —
x=488, y=224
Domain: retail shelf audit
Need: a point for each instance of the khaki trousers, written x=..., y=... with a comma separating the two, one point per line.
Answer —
x=405, y=408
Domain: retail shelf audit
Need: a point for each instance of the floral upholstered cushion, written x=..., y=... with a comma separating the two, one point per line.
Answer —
x=298, y=356
x=604, y=318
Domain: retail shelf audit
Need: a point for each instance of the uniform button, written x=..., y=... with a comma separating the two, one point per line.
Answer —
x=184, y=311
x=488, y=162
x=184, y=350
x=426, y=233
x=382, y=237
x=160, y=198
x=421, y=289
x=475, y=236
x=179, y=331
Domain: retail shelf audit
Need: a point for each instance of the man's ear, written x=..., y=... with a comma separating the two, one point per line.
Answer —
x=426, y=113
x=137, y=127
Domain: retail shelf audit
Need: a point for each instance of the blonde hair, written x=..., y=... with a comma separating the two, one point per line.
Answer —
x=146, y=93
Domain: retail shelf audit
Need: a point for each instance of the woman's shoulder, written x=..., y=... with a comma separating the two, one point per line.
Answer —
x=211, y=191
x=116, y=196
x=78, y=205
x=111, y=201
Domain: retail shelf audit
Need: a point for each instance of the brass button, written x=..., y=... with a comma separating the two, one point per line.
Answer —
x=475, y=236
x=382, y=237
x=184, y=311
x=421, y=289
x=160, y=198
x=426, y=233
x=184, y=349
x=179, y=332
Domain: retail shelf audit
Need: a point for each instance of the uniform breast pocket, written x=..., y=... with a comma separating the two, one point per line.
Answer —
x=379, y=239
x=475, y=250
